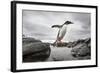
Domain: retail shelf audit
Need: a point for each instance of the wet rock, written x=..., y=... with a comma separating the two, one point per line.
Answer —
x=61, y=44
x=35, y=50
x=71, y=44
x=82, y=49
x=30, y=40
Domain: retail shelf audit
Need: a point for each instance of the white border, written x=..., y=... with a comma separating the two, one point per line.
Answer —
x=35, y=65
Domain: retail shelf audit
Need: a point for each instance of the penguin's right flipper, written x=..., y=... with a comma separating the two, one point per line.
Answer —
x=54, y=26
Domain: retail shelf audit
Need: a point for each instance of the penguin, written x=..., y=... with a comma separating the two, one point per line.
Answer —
x=61, y=32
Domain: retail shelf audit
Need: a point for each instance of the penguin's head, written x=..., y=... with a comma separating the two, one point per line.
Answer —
x=68, y=22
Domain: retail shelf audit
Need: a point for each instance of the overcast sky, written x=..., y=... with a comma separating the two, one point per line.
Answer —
x=37, y=24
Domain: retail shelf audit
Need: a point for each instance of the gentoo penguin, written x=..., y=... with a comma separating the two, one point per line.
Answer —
x=61, y=32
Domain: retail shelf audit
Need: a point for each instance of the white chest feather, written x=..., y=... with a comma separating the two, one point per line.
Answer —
x=62, y=31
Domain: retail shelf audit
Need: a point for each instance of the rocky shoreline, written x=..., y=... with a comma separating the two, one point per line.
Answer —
x=35, y=50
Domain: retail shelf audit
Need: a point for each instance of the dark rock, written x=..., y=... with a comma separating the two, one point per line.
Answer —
x=61, y=44
x=34, y=51
x=30, y=40
x=71, y=44
x=82, y=49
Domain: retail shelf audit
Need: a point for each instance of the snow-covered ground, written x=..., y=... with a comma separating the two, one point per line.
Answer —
x=60, y=54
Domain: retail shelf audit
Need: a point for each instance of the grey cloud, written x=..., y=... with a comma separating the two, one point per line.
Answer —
x=38, y=24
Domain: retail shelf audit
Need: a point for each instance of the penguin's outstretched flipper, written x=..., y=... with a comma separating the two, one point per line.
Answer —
x=56, y=26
